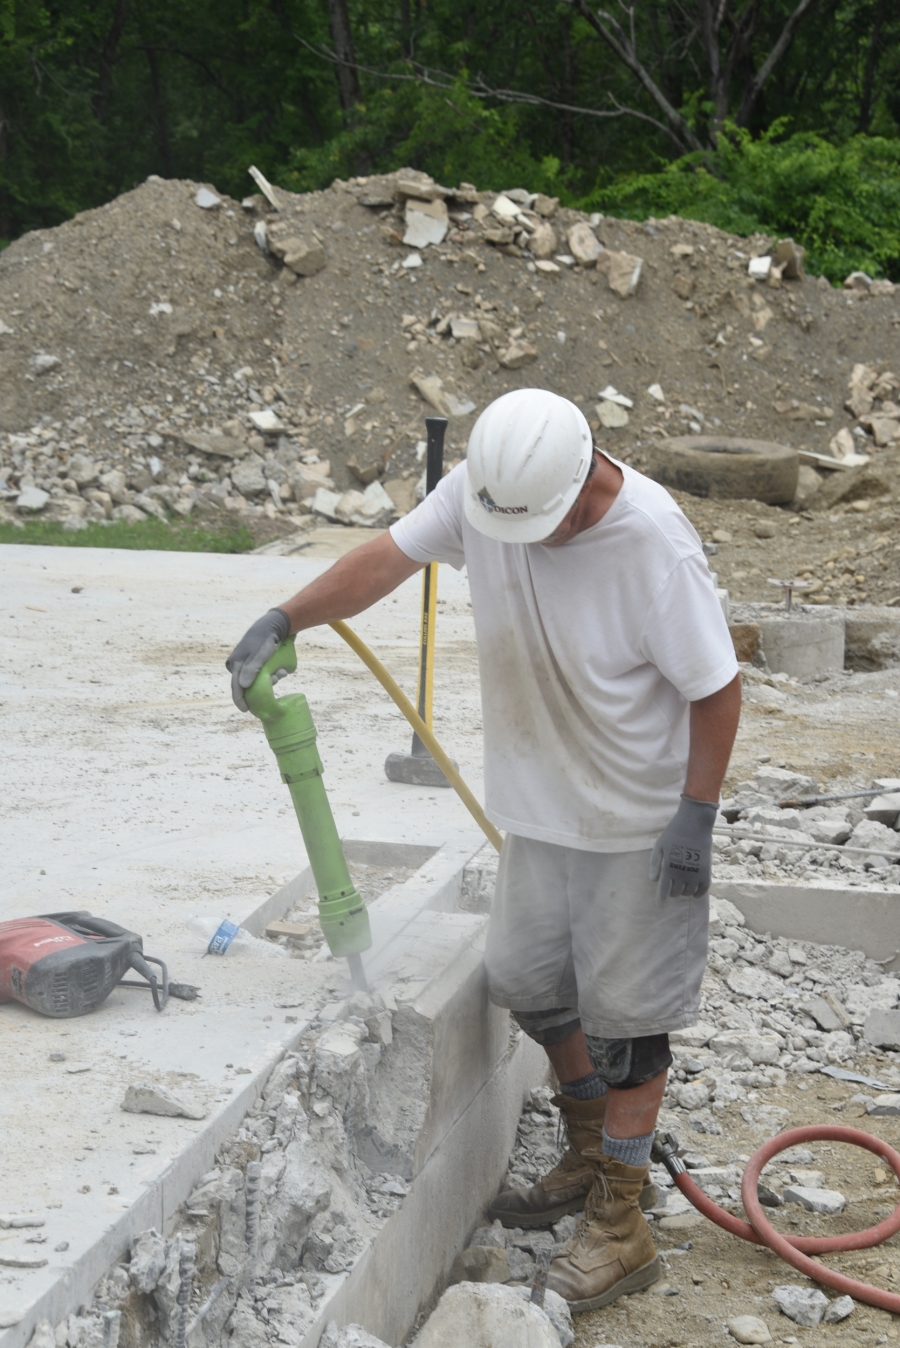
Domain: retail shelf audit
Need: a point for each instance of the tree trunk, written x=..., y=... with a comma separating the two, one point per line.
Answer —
x=718, y=85
x=865, y=102
x=348, y=80
x=107, y=60
x=159, y=108
x=615, y=37
x=405, y=28
x=754, y=85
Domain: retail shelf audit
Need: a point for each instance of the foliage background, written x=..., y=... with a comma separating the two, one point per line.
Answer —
x=97, y=94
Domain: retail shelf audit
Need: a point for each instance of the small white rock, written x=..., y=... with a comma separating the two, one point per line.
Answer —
x=748, y=1329
x=828, y=1202
x=267, y=420
x=884, y=1106
x=759, y=267
x=839, y=1310
x=206, y=200
x=43, y=363
x=32, y=499
x=804, y=1305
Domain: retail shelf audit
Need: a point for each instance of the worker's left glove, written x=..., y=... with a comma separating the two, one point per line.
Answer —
x=682, y=858
x=253, y=650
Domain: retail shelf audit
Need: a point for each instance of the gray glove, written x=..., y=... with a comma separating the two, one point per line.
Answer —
x=682, y=858
x=253, y=650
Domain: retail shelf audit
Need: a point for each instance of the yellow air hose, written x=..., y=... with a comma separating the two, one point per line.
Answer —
x=394, y=691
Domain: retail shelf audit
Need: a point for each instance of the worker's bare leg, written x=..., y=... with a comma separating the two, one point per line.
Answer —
x=630, y=1113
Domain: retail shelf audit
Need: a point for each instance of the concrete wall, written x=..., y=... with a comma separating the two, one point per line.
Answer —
x=860, y=919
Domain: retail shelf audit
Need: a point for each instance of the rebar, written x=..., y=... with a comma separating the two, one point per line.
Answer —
x=207, y=1305
x=743, y=835
x=112, y=1321
x=186, y=1258
x=253, y=1198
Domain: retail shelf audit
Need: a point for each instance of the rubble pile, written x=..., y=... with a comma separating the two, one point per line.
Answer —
x=777, y=1018
x=319, y=1164
x=853, y=841
x=176, y=354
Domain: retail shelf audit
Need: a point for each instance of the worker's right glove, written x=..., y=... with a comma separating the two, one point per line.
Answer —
x=682, y=858
x=255, y=647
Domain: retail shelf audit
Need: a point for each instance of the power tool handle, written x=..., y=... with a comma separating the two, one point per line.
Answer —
x=434, y=455
x=260, y=697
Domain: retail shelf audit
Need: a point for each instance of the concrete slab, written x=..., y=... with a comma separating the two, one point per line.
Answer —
x=158, y=801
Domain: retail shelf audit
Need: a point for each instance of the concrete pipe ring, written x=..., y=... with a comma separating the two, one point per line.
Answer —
x=726, y=468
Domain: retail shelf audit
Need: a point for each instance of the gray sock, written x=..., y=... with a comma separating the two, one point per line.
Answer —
x=628, y=1150
x=590, y=1087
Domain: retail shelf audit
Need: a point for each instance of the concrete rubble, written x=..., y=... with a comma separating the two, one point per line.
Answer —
x=856, y=840
x=284, y=1213
x=804, y=1305
x=485, y=1315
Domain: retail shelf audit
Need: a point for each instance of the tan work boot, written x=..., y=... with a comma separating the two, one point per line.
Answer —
x=612, y=1251
x=566, y=1187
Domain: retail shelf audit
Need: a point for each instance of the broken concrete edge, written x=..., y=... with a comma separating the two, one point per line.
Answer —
x=863, y=919
x=407, y=1265
x=154, y=1209
x=432, y=894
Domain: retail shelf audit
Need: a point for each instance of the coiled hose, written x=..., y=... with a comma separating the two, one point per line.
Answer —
x=795, y=1250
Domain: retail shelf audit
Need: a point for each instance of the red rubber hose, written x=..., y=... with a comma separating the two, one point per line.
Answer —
x=795, y=1250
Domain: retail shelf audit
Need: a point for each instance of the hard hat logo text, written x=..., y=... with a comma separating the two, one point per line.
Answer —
x=492, y=508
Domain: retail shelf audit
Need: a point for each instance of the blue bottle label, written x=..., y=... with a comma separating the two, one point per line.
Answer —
x=223, y=938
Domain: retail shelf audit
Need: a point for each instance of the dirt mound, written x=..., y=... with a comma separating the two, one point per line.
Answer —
x=177, y=351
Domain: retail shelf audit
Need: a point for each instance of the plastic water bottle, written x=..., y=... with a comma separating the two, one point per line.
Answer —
x=227, y=938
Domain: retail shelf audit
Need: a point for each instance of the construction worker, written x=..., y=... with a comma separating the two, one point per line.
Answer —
x=611, y=697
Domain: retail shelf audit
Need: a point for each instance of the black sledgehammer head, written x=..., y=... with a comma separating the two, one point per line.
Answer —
x=415, y=769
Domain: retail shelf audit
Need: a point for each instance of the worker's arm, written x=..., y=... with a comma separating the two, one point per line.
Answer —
x=359, y=579
x=714, y=723
x=356, y=581
x=682, y=858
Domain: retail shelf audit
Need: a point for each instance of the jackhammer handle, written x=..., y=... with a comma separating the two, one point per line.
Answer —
x=260, y=697
x=434, y=455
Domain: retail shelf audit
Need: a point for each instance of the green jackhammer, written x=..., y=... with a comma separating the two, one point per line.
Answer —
x=289, y=729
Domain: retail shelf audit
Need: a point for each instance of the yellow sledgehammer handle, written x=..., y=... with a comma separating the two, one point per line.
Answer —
x=394, y=691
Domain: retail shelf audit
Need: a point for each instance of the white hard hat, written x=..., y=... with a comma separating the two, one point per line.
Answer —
x=529, y=453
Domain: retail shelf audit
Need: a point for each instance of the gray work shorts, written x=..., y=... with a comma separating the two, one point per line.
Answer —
x=570, y=928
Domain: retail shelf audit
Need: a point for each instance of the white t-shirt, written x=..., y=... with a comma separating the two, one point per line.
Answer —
x=589, y=654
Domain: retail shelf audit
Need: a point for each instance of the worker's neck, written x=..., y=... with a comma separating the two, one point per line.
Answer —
x=594, y=500
x=602, y=490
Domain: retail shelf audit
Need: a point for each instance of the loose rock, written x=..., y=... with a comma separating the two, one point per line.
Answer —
x=804, y=1305
x=839, y=1309
x=828, y=1202
x=486, y=1315
x=748, y=1329
x=481, y=1263
x=882, y=1028
x=145, y=1098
